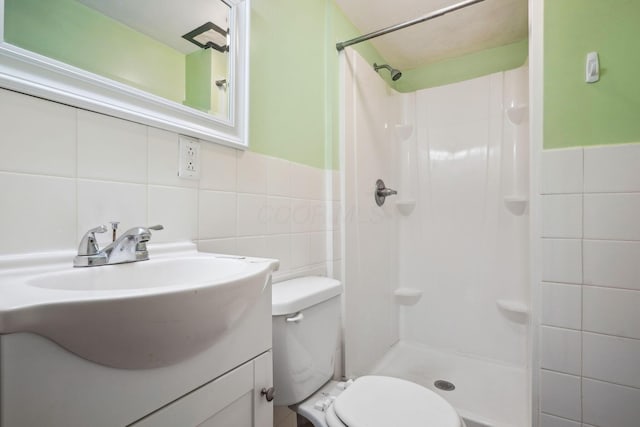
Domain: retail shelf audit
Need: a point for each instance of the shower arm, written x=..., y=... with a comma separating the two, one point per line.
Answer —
x=431, y=15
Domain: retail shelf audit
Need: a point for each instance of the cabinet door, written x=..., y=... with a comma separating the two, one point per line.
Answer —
x=233, y=400
x=263, y=379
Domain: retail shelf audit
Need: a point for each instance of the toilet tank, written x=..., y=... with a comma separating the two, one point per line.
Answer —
x=306, y=324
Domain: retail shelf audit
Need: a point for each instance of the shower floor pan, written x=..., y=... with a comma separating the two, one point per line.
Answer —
x=486, y=394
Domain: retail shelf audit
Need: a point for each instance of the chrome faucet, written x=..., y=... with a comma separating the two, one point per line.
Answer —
x=131, y=246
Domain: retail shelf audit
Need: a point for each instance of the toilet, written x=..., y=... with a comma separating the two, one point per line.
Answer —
x=306, y=323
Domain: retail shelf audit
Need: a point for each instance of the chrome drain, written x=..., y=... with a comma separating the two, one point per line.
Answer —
x=444, y=385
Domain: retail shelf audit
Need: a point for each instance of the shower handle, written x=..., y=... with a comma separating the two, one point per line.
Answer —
x=382, y=192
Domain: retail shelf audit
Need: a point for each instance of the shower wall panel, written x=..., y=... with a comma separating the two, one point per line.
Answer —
x=370, y=272
x=461, y=245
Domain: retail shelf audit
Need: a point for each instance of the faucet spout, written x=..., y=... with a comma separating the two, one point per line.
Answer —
x=131, y=246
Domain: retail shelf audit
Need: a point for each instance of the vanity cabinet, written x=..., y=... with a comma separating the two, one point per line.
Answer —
x=44, y=385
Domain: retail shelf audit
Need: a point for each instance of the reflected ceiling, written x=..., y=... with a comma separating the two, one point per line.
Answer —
x=165, y=20
x=488, y=24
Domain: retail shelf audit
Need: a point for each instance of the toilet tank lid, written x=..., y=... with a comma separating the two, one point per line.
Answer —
x=297, y=294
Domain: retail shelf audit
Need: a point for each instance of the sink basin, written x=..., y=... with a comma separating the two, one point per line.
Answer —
x=139, y=315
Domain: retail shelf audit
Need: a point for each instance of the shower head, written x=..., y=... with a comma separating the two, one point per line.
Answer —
x=395, y=74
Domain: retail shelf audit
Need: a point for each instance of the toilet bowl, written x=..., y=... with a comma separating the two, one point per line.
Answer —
x=306, y=322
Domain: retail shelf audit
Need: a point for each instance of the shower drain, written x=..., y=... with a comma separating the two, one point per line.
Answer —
x=444, y=385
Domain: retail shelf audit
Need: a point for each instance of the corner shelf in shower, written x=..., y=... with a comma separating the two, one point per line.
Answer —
x=407, y=296
x=517, y=114
x=405, y=206
x=517, y=205
x=517, y=310
x=403, y=132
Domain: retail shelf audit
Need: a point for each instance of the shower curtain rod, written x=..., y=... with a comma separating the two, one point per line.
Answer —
x=435, y=14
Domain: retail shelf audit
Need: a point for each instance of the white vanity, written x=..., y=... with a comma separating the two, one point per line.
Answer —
x=167, y=371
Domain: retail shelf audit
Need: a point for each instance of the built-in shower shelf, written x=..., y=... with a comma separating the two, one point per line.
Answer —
x=407, y=296
x=517, y=205
x=518, y=113
x=406, y=206
x=403, y=132
x=513, y=306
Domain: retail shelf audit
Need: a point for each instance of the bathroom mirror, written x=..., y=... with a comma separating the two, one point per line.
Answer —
x=177, y=65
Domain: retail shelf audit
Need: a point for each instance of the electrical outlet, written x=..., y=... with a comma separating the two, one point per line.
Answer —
x=189, y=158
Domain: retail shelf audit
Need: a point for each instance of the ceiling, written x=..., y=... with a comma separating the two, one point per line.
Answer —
x=484, y=25
x=165, y=20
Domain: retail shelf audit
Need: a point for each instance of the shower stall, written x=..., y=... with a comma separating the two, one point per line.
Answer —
x=436, y=279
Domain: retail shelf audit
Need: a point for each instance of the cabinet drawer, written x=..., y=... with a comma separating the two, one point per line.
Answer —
x=229, y=396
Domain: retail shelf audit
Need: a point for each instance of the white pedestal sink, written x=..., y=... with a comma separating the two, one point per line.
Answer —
x=139, y=315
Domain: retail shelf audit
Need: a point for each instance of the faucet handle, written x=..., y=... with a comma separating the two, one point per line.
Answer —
x=156, y=227
x=88, y=244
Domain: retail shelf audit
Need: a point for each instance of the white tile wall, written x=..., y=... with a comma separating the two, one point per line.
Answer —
x=547, y=420
x=590, y=323
x=561, y=305
x=607, y=404
x=562, y=215
x=611, y=311
x=560, y=395
x=562, y=171
x=612, y=169
x=612, y=263
x=77, y=169
x=562, y=260
x=560, y=350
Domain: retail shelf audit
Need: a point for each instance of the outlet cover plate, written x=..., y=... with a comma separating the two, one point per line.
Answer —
x=189, y=158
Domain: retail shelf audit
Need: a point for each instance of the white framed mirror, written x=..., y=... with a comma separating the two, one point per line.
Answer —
x=180, y=66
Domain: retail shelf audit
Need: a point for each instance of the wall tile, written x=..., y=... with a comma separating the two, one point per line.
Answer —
x=299, y=250
x=307, y=182
x=608, y=404
x=612, y=311
x=252, y=173
x=278, y=177
x=560, y=395
x=562, y=260
x=317, y=248
x=612, y=216
x=253, y=215
x=218, y=246
x=111, y=149
x=219, y=167
x=38, y=213
x=561, y=305
x=100, y=202
x=337, y=245
x=320, y=212
x=217, y=214
x=560, y=350
x=38, y=136
x=612, y=359
x=252, y=246
x=613, y=264
x=561, y=171
x=163, y=159
x=551, y=421
x=278, y=215
x=279, y=247
x=301, y=216
x=177, y=210
x=612, y=169
x=562, y=215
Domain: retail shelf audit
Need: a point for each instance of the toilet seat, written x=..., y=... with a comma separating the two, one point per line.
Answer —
x=376, y=401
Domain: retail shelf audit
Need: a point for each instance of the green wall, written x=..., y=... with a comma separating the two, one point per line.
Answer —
x=606, y=112
x=465, y=67
x=73, y=33
x=294, y=79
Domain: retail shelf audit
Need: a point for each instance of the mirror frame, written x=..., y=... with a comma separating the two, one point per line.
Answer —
x=24, y=71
